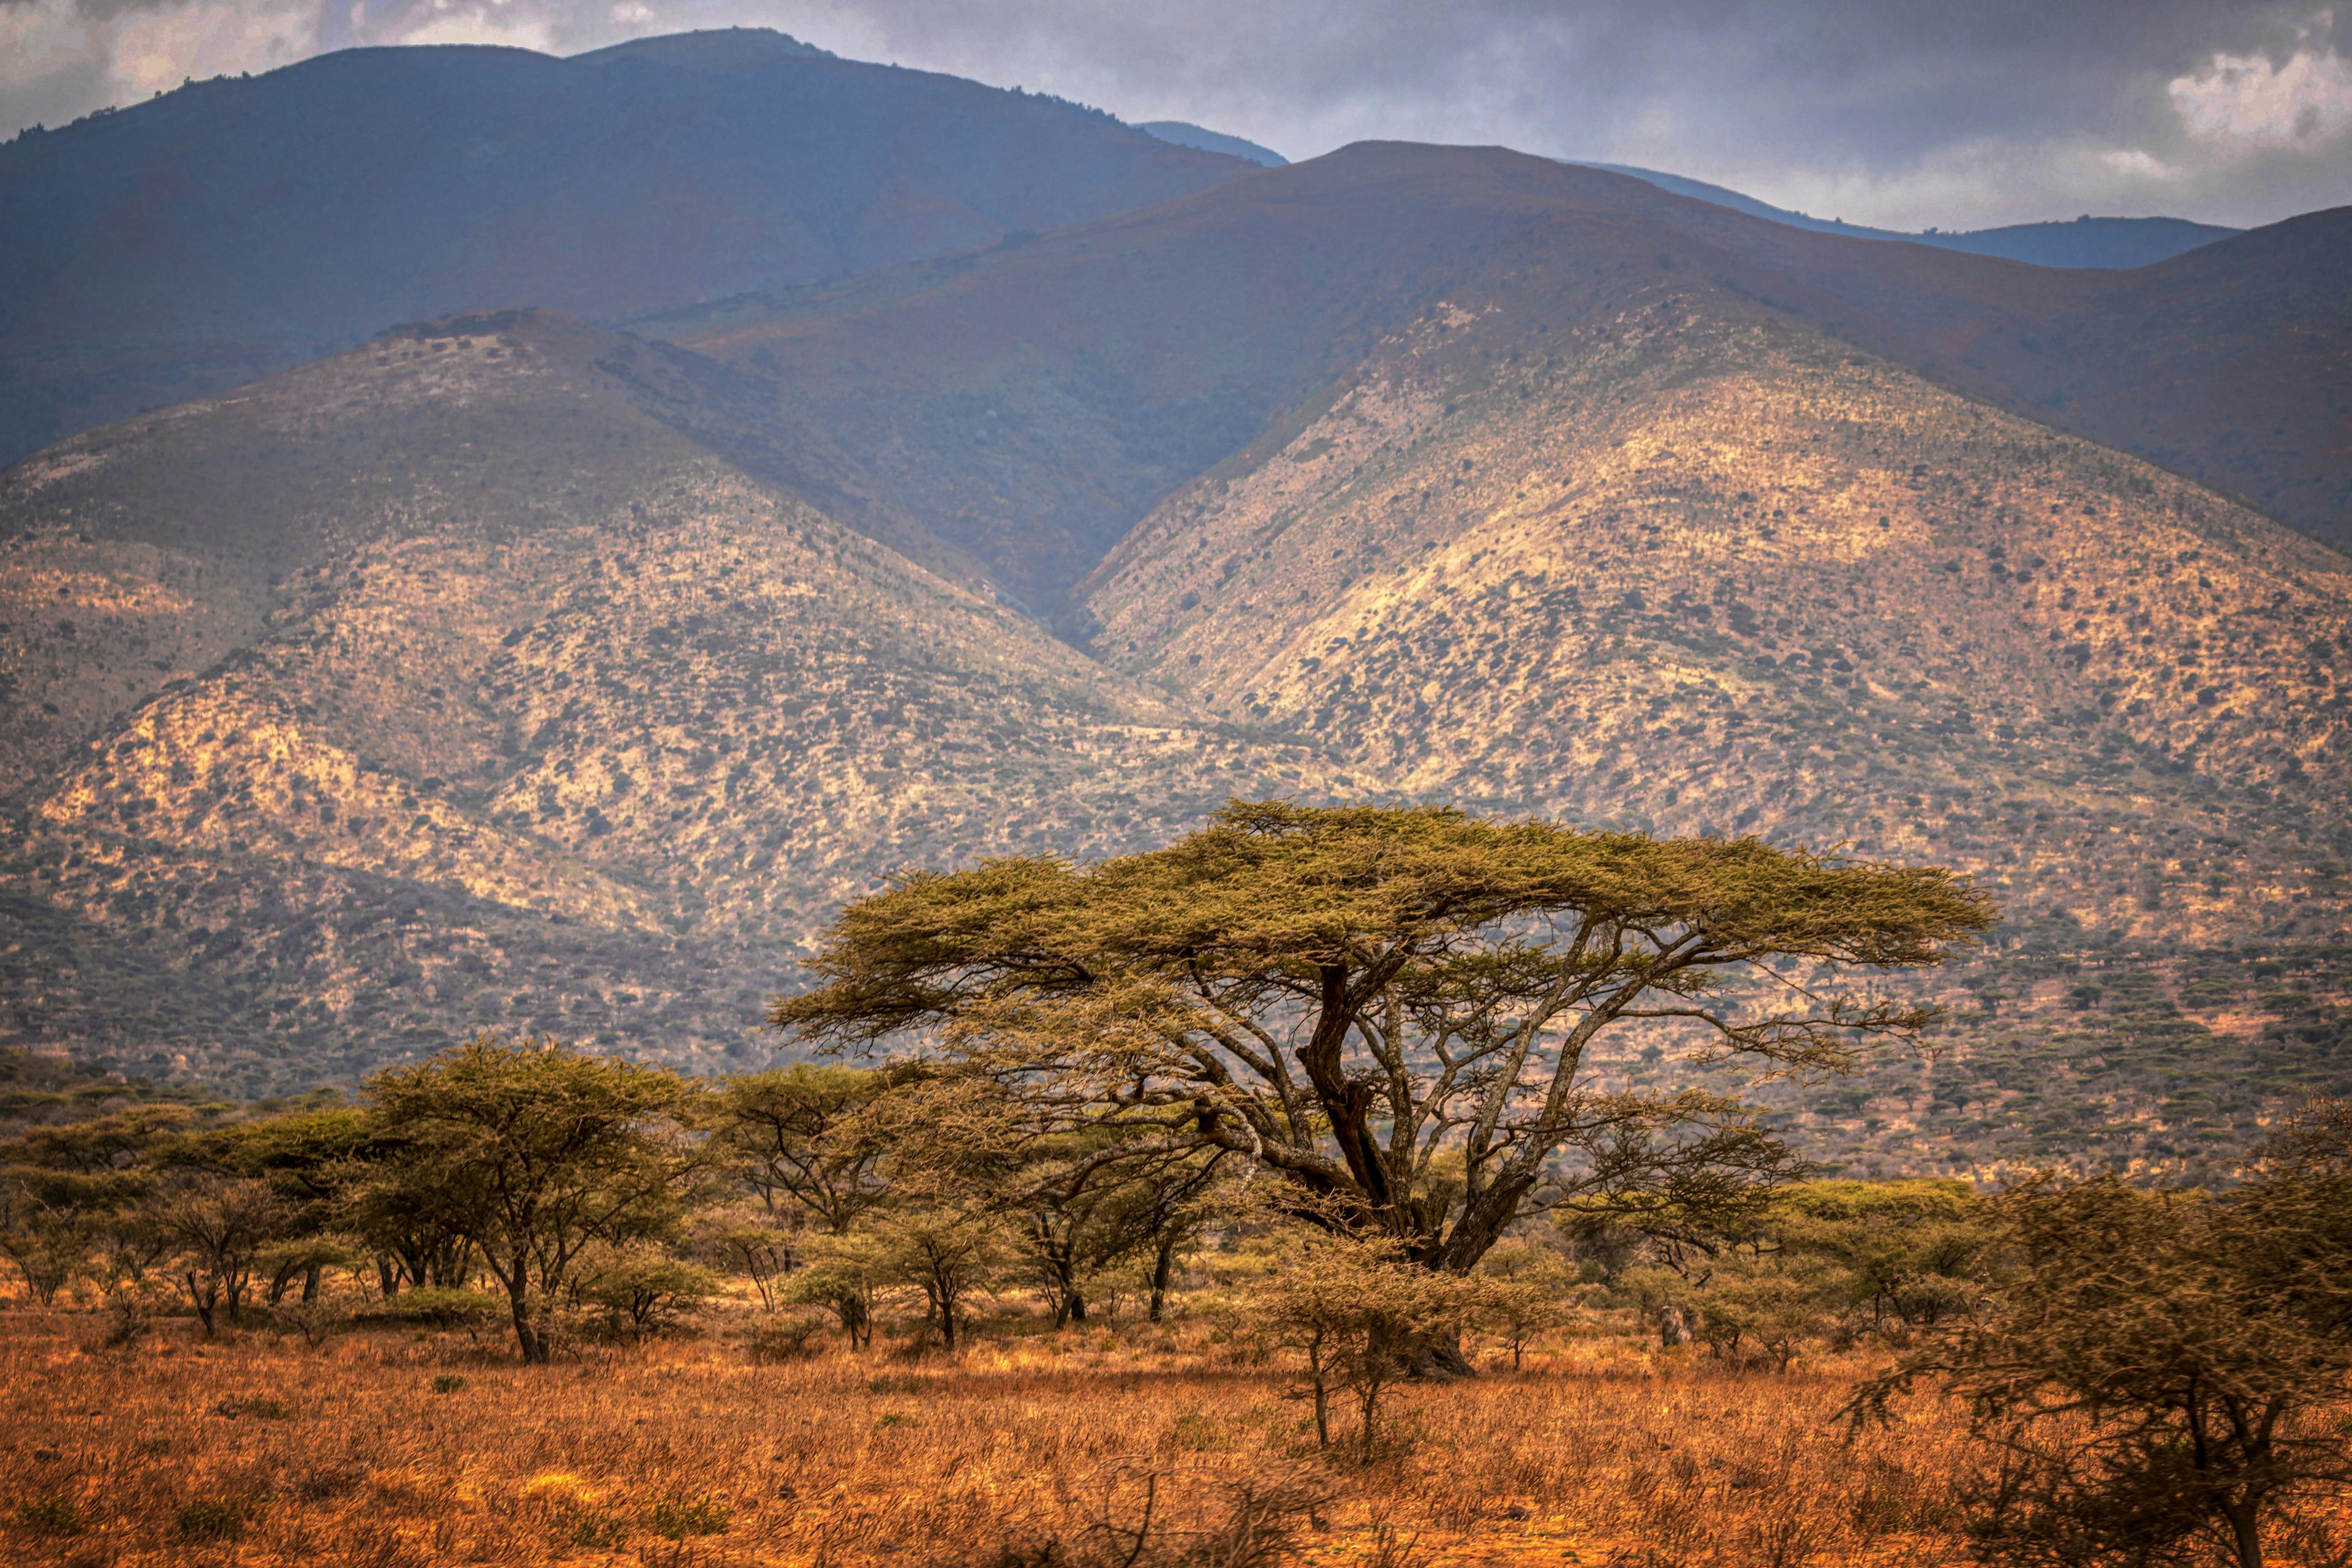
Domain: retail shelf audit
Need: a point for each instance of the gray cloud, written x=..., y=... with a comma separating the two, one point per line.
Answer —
x=1902, y=112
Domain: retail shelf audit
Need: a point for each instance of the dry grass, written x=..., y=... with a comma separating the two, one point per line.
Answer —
x=382, y=1450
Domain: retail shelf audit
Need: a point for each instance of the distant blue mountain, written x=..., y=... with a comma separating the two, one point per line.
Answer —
x=1185, y=134
x=2115, y=242
x=237, y=226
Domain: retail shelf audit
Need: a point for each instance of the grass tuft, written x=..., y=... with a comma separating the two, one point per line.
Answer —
x=54, y=1513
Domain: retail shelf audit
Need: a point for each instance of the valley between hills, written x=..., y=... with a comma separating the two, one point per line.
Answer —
x=510, y=671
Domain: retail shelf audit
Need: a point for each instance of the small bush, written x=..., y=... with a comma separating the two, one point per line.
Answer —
x=328, y=1481
x=314, y=1321
x=643, y=1294
x=257, y=1407
x=215, y=1517
x=1198, y=1433
x=675, y=1518
x=128, y=1320
x=785, y=1340
x=447, y=1382
x=589, y=1529
x=439, y=1307
x=54, y=1514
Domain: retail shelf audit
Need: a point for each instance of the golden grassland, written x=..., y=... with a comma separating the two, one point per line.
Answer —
x=385, y=1448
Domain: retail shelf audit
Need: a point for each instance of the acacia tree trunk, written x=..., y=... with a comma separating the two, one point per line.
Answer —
x=1068, y=1301
x=204, y=1294
x=1320, y=1375
x=943, y=1289
x=1164, y=1266
x=855, y=1322
x=1441, y=1359
x=2245, y=1531
x=531, y=1337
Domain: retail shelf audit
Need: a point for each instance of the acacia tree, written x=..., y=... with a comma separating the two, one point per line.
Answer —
x=70, y=1198
x=535, y=1154
x=1071, y=1208
x=2161, y=1372
x=220, y=1225
x=804, y=1141
x=1077, y=1216
x=1355, y=1311
x=311, y=1159
x=1392, y=1010
x=1908, y=1249
x=47, y=1227
x=798, y=1137
x=948, y=1253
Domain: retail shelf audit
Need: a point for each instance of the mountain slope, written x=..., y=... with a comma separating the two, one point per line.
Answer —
x=1695, y=568
x=508, y=705
x=1027, y=405
x=1564, y=494
x=238, y=226
x=1703, y=569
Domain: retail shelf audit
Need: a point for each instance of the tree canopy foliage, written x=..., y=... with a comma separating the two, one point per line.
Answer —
x=535, y=1156
x=1395, y=1010
x=2160, y=1370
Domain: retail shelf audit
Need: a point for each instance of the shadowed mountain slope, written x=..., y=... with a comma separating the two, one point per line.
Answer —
x=238, y=226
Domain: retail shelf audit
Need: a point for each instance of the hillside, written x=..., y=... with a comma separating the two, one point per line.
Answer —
x=510, y=671
x=238, y=226
x=1027, y=405
x=1703, y=571
x=1186, y=134
x=1562, y=498
x=511, y=706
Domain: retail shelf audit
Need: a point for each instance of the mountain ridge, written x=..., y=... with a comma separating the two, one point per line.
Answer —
x=2086, y=241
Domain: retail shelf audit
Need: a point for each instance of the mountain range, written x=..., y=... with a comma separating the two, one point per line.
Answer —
x=511, y=670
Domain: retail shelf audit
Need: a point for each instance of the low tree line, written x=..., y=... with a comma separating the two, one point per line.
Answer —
x=594, y=1194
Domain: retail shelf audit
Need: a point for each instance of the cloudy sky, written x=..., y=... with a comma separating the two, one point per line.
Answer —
x=1897, y=112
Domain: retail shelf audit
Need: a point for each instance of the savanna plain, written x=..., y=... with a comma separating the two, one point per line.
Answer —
x=1119, y=1443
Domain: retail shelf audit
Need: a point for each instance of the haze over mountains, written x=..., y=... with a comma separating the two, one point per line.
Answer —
x=509, y=671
